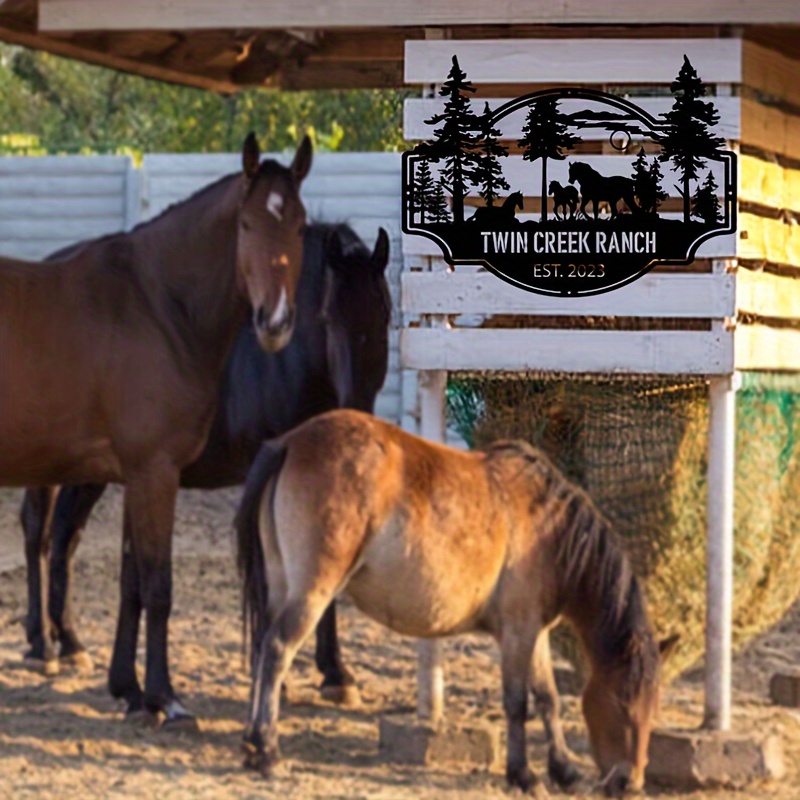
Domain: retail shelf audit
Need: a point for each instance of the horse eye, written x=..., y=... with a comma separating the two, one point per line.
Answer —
x=245, y=225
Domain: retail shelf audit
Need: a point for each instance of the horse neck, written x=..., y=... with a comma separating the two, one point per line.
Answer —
x=598, y=592
x=187, y=262
x=509, y=203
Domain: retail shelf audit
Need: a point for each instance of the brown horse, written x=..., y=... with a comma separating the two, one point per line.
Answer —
x=432, y=541
x=111, y=362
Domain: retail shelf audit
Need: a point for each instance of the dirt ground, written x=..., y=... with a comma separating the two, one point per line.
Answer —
x=64, y=737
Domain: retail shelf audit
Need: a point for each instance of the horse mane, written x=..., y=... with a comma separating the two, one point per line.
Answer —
x=593, y=572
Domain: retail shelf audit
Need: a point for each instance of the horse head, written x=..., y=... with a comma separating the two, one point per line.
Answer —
x=516, y=200
x=269, y=246
x=356, y=313
x=554, y=187
x=575, y=171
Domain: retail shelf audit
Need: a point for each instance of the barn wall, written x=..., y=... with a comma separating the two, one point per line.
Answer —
x=48, y=203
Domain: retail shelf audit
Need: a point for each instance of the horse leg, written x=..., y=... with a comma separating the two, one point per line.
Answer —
x=276, y=652
x=338, y=684
x=559, y=767
x=36, y=516
x=516, y=649
x=150, y=500
x=75, y=504
x=122, y=680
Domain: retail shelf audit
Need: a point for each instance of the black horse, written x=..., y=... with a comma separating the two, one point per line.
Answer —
x=337, y=358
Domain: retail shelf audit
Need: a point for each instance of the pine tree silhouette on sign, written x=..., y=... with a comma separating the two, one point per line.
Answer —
x=705, y=203
x=422, y=191
x=438, y=209
x=457, y=141
x=688, y=141
x=489, y=174
x=544, y=136
x=647, y=183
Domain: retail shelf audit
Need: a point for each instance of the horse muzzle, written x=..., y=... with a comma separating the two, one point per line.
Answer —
x=274, y=331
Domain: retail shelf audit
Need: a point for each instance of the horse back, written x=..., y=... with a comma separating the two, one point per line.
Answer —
x=416, y=527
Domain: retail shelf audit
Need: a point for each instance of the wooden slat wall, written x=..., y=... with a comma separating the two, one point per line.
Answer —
x=759, y=102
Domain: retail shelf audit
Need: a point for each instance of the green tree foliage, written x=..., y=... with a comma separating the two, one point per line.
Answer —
x=544, y=136
x=688, y=142
x=54, y=105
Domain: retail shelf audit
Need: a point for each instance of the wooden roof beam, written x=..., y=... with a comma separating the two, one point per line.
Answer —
x=75, y=15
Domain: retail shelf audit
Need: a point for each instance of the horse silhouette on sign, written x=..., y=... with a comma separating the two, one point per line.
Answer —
x=597, y=188
x=499, y=215
x=564, y=197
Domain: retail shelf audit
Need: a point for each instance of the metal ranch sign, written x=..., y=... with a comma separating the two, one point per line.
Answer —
x=603, y=230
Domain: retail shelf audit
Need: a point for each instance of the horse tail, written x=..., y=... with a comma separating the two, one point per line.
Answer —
x=249, y=552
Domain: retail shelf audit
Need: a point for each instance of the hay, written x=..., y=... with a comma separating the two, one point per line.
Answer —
x=638, y=446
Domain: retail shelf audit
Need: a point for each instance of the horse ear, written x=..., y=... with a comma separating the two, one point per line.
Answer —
x=251, y=155
x=666, y=647
x=301, y=165
x=380, y=255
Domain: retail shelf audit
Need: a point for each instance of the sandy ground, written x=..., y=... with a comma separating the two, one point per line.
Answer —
x=64, y=737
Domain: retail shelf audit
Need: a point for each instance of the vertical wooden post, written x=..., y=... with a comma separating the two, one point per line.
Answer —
x=430, y=669
x=719, y=551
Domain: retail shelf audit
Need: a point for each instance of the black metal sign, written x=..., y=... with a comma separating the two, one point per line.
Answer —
x=557, y=221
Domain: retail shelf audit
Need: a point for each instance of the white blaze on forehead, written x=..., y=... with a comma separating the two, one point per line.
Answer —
x=275, y=205
x=280, y=312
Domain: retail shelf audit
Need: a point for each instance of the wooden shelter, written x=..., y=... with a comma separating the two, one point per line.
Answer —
x=745, y=288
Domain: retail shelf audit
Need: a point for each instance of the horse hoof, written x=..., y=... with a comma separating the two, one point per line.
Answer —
x=178, y=719
x=44, y=666
x=141, y=718
x=529, y=784
x=260, y=761
x=80, y=661
x=345, y=696
x=181, y=723
x=562, y=772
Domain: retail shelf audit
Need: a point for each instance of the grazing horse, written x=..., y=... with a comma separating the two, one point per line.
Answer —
x=337, y=358
x=597, y=188
x=111, y=364
x=432, y=541
x=499, y=215
x=564, y=197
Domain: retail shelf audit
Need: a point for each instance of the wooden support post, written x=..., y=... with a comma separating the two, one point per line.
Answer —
x=430, y=670
x=719, y=551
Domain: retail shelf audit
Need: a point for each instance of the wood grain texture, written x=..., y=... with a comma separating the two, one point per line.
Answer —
x=645, y=352
x=759, y=347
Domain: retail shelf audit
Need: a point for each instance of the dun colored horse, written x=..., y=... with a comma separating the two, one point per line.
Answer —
x=337, y=358
x=597, y=188
x=111, y=363
x=432, y=541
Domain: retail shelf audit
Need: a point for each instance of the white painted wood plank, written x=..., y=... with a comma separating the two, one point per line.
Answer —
x=65, y=185
x=61, y=207
x=69, y=229
x=646, y=352
x=562, y=61
x=76, y=15
x=416, y=110
x=63, y=165
x=654, y=295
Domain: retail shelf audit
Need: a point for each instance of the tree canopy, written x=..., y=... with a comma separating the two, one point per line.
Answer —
x=55, y=105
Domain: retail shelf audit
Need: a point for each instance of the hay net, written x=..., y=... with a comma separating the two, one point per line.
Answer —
x=637, y=444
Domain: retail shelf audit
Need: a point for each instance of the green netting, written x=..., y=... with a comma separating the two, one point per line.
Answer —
x=638, y=446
